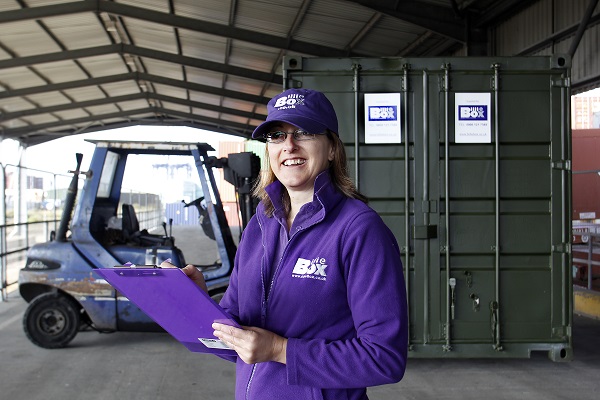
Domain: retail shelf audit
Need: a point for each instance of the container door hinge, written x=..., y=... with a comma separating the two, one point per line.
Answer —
x=562, y=82
x=562, y=164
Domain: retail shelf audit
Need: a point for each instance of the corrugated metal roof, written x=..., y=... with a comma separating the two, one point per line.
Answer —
x=74, y=66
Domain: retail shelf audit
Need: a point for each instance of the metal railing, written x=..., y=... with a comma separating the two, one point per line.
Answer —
x=15, y=240
x=30, y=209
x=588, y=263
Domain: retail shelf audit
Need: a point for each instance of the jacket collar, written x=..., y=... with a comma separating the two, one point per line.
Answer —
x=326, y=196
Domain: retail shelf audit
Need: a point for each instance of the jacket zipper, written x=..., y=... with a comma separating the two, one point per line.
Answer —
x=250, y=381
x=268, y=295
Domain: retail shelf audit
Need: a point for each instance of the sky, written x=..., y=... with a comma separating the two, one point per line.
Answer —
x=58, y=156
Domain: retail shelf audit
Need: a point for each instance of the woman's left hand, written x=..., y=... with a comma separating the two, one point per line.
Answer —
x=253, y=345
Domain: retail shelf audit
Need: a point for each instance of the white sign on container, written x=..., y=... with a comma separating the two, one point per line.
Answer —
x=473, y=118
x=382, y=118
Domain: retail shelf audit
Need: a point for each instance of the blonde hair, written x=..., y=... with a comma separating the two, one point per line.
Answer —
x=338, y=171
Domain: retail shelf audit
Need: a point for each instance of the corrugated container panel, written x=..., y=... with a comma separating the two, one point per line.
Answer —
x=226, y=189
x=492, y=217
x=586, y=179
x=232, y=213
x=258, y=148
x=181, y=215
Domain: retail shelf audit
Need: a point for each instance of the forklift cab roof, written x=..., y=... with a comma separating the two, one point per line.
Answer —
x=141, y=147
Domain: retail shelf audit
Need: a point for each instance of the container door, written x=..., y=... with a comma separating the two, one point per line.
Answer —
x=477, y=192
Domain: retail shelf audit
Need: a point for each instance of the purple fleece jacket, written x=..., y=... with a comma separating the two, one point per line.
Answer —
x=333, y=286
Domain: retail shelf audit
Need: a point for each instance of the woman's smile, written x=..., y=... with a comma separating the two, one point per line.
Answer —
x=294, y=161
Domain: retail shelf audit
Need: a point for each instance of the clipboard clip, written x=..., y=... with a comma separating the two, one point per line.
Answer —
x=132, y=265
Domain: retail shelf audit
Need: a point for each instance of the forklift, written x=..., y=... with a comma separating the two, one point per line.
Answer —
x=99, y=230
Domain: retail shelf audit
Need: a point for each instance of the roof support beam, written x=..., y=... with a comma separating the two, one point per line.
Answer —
x=176, y=21
x=139, y=77
x=38, y=138
x=130, y=97
x=441, y=20
x=141, y=52
x=28, y=130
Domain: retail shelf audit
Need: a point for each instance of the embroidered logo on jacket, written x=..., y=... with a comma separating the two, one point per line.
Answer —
x=314, y=269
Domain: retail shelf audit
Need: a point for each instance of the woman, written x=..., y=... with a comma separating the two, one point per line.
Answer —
x=317, y=281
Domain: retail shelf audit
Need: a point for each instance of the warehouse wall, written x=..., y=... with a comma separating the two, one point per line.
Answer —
x=549, y=27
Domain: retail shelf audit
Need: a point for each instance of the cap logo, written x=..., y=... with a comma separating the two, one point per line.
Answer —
x=290, y=101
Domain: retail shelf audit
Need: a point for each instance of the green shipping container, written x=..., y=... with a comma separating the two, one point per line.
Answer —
x=468, y=162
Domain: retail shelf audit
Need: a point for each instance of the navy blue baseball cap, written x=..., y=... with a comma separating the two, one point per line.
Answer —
x=306, y=109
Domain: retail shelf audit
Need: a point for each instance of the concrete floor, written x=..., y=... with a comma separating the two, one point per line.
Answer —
x=149, y=366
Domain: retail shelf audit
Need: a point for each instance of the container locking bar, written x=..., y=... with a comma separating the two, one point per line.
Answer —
x=425, y=231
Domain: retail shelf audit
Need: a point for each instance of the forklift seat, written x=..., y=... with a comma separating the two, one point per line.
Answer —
x=130, y=222
x=131, y=229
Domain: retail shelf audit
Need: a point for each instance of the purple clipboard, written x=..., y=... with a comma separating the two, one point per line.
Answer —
x=174, y=302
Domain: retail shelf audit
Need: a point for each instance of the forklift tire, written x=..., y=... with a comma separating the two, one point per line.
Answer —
x=51, y=321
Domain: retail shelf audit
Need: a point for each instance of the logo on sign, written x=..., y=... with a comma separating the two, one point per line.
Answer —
x=472, y=113
x=387, y=113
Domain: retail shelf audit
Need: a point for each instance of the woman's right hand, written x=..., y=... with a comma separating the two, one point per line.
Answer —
x=192, y=272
